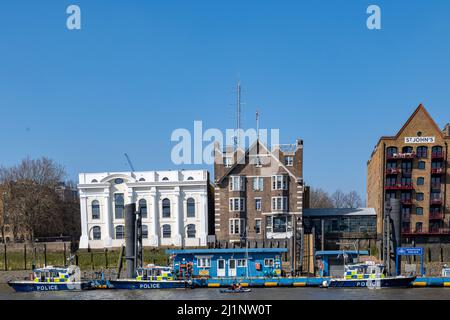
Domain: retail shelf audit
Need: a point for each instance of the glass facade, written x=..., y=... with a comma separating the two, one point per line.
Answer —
x=356, y=225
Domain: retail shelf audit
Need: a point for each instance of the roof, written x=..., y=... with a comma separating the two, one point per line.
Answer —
x=236, y=250
x=327, y=212
x=338, y=252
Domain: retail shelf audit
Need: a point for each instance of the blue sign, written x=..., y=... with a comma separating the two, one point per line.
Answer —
x=411, y=251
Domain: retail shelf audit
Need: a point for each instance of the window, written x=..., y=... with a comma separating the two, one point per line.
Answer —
x=190, y=178
x=391, y=165
x=279, y=224
x=143, y=208
x=391, y=151
x=166, y=231
x=419, y=196
x=228, y=162
x=258, y=226
x=144, y=231
x=391, y=181
x=406, y=166
x=419, y=211
x=436, y=165
x=165, y=179
x=258, y=162
x=190, y=204
x=420, y=181
x=421, y=165
x=94, y=181
x=422, y=152
x=119, y=205
x=190, y=230
x=120, y=232
x=118, y=181
x=237, y=204
x=258, y=204
x=405, y=196
x=242, y=263
x=279, y=182
x=436, y=151
x=141, y=179
x=95, y=209
x=268, y=262
x=407, y=149
x=237, y=226
x=289, y=161
x=166, y=208
x=237, y=183
x=279, y=203
x=435, y=182
x=419, y=227
x=203, y=262
x=96, y=233
x=258, y=184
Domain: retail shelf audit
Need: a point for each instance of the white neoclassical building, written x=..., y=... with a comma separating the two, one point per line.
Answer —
x=173, y=204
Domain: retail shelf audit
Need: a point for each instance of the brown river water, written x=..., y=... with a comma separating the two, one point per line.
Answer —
x=6, y=293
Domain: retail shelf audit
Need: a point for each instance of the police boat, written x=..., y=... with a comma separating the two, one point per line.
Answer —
x=51, y=278
x=367, y=275
x=152, y=277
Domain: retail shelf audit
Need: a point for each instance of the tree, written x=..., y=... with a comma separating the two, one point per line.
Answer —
x=352, y=200
x=318, y=198
x=338, y=198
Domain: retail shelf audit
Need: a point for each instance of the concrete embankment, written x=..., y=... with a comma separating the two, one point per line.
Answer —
x=6, y=276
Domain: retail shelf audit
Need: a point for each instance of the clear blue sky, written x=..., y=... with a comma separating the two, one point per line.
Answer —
x=140, y=69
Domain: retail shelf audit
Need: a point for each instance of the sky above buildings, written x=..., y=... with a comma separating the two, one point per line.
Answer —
x=138, y=70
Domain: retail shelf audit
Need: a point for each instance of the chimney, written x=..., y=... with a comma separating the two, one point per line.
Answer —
x=447, y=129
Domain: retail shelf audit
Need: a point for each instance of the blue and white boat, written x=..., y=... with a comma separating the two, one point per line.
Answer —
x=152, y=277
x=51, y=278
x=367, y=275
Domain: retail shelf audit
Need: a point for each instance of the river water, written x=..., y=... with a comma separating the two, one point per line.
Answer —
x=6, y=293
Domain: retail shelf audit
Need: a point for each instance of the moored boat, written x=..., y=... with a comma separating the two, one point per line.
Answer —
x=51, y=278
x=152, y=277
x=368, y=275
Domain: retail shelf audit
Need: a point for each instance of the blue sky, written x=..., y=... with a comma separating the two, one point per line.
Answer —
x=137, y=70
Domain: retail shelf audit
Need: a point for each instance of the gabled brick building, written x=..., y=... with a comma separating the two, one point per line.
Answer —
x=413, y=166
x=258, y=192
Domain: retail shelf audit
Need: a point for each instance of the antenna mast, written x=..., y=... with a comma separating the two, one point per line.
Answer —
x=238, y=138
x=257, y=124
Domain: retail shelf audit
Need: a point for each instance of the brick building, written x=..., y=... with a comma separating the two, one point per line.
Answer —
x=258, y=193
x=413, y=166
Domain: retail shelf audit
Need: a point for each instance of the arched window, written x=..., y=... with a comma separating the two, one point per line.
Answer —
x=390, y=151
x=94, y=181
x=141, y=179
x=165, y=179
x=190, y=178
x=436, y=151
x=190, y=230
x=166, y=231
x=418, y=227
x=119, y=205
x=422, y=152
x=143, y=208
x=95, y=205
x=96, y=233
x=190, y=208
x=120, y=232
x=144, y=231
x=166, y=208
x=407, y=149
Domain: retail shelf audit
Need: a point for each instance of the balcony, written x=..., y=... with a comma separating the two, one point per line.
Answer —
x=393, y=170
x=436, y=215
x=436, y=201
x=409, y=155
x=406, y=202
x=436, y=186
x=437, y=155
x=437, y=170
x=432, y=231
x=399, y=186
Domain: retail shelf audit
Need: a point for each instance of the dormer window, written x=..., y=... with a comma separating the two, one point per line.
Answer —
x=227, y=162
x=289, y=161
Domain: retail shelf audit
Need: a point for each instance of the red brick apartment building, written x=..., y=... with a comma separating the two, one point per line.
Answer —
x=258, y=193
x=413, y=166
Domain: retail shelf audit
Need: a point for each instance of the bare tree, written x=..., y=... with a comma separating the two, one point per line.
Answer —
x=319, y=198
x=352, y=200
x=338, y=198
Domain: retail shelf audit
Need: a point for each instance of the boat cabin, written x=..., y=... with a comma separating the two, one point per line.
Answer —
x=53, y=274
x=364, y=271
x=222, y=263
x=156, y=273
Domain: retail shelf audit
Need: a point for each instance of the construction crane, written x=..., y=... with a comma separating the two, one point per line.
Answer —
x=129, y=163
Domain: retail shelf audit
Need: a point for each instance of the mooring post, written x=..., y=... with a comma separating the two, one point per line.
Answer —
x=6, y=258
x=106, y=258
x=92, y=260
x=24, y=256
x=65, y=258
x=130, y=244
x=45, y=254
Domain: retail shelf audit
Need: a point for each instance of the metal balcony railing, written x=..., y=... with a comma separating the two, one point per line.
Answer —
x=437, y=155
x=407, y=155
